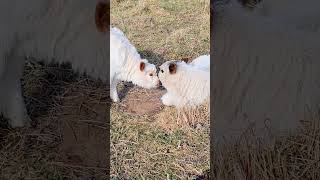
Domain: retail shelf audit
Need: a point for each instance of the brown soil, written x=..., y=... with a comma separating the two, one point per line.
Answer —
x=139, y=101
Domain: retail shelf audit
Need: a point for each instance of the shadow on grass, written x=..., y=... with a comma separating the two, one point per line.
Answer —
x=39, y=90
x=124, y=91
x=290, y=157
x=55, y=95
x=46, y=83
x=152, y=57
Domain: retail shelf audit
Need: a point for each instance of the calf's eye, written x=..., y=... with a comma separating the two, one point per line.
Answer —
x=161, y=71
x=150, y=74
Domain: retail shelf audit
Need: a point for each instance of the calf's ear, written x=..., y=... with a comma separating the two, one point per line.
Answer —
x=142, y=66
x=172, y=68
x=102, y=15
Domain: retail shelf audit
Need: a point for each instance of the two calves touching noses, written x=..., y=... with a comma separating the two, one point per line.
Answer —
x=187, y=84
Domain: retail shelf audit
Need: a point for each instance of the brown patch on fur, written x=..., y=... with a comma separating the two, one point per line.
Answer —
x=102, y=16
x=142, y=66
x=173, y=68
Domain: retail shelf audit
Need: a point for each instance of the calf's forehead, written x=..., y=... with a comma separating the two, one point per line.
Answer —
x=165, y=64
x=151, y=67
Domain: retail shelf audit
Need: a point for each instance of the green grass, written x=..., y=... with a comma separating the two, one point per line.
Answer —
x=158, y=146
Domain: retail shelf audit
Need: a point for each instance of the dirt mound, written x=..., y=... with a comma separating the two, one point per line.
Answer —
x=139, y=101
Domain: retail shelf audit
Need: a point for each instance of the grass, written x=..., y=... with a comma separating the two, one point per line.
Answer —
x=168, y=144
x=164, y=29
x=146, y=147
x=33, y=152
x=292, y=157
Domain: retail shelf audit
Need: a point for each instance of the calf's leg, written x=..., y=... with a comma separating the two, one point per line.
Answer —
x=12, y=104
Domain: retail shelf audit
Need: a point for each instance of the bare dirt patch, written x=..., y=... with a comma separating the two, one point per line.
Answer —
x=139, y=101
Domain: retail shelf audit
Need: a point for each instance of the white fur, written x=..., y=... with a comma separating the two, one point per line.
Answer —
x=202, y=62
x=189, y=86
x=125, y=65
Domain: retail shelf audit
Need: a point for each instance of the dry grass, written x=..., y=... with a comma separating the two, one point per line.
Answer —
x=33, y=152
x=166, y=144
x=143, y=147
x=295, y=157
x=164, y=29
x=171, y=118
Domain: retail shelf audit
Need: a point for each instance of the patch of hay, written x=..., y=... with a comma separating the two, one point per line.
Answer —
x=197, y=118
x=293, y=157
x=54, y=96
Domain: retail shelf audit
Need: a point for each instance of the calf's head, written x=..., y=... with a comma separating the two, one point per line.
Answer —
x=169, y=73
x=146, y=75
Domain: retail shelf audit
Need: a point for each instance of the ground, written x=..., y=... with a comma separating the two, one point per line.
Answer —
x=67, y=137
